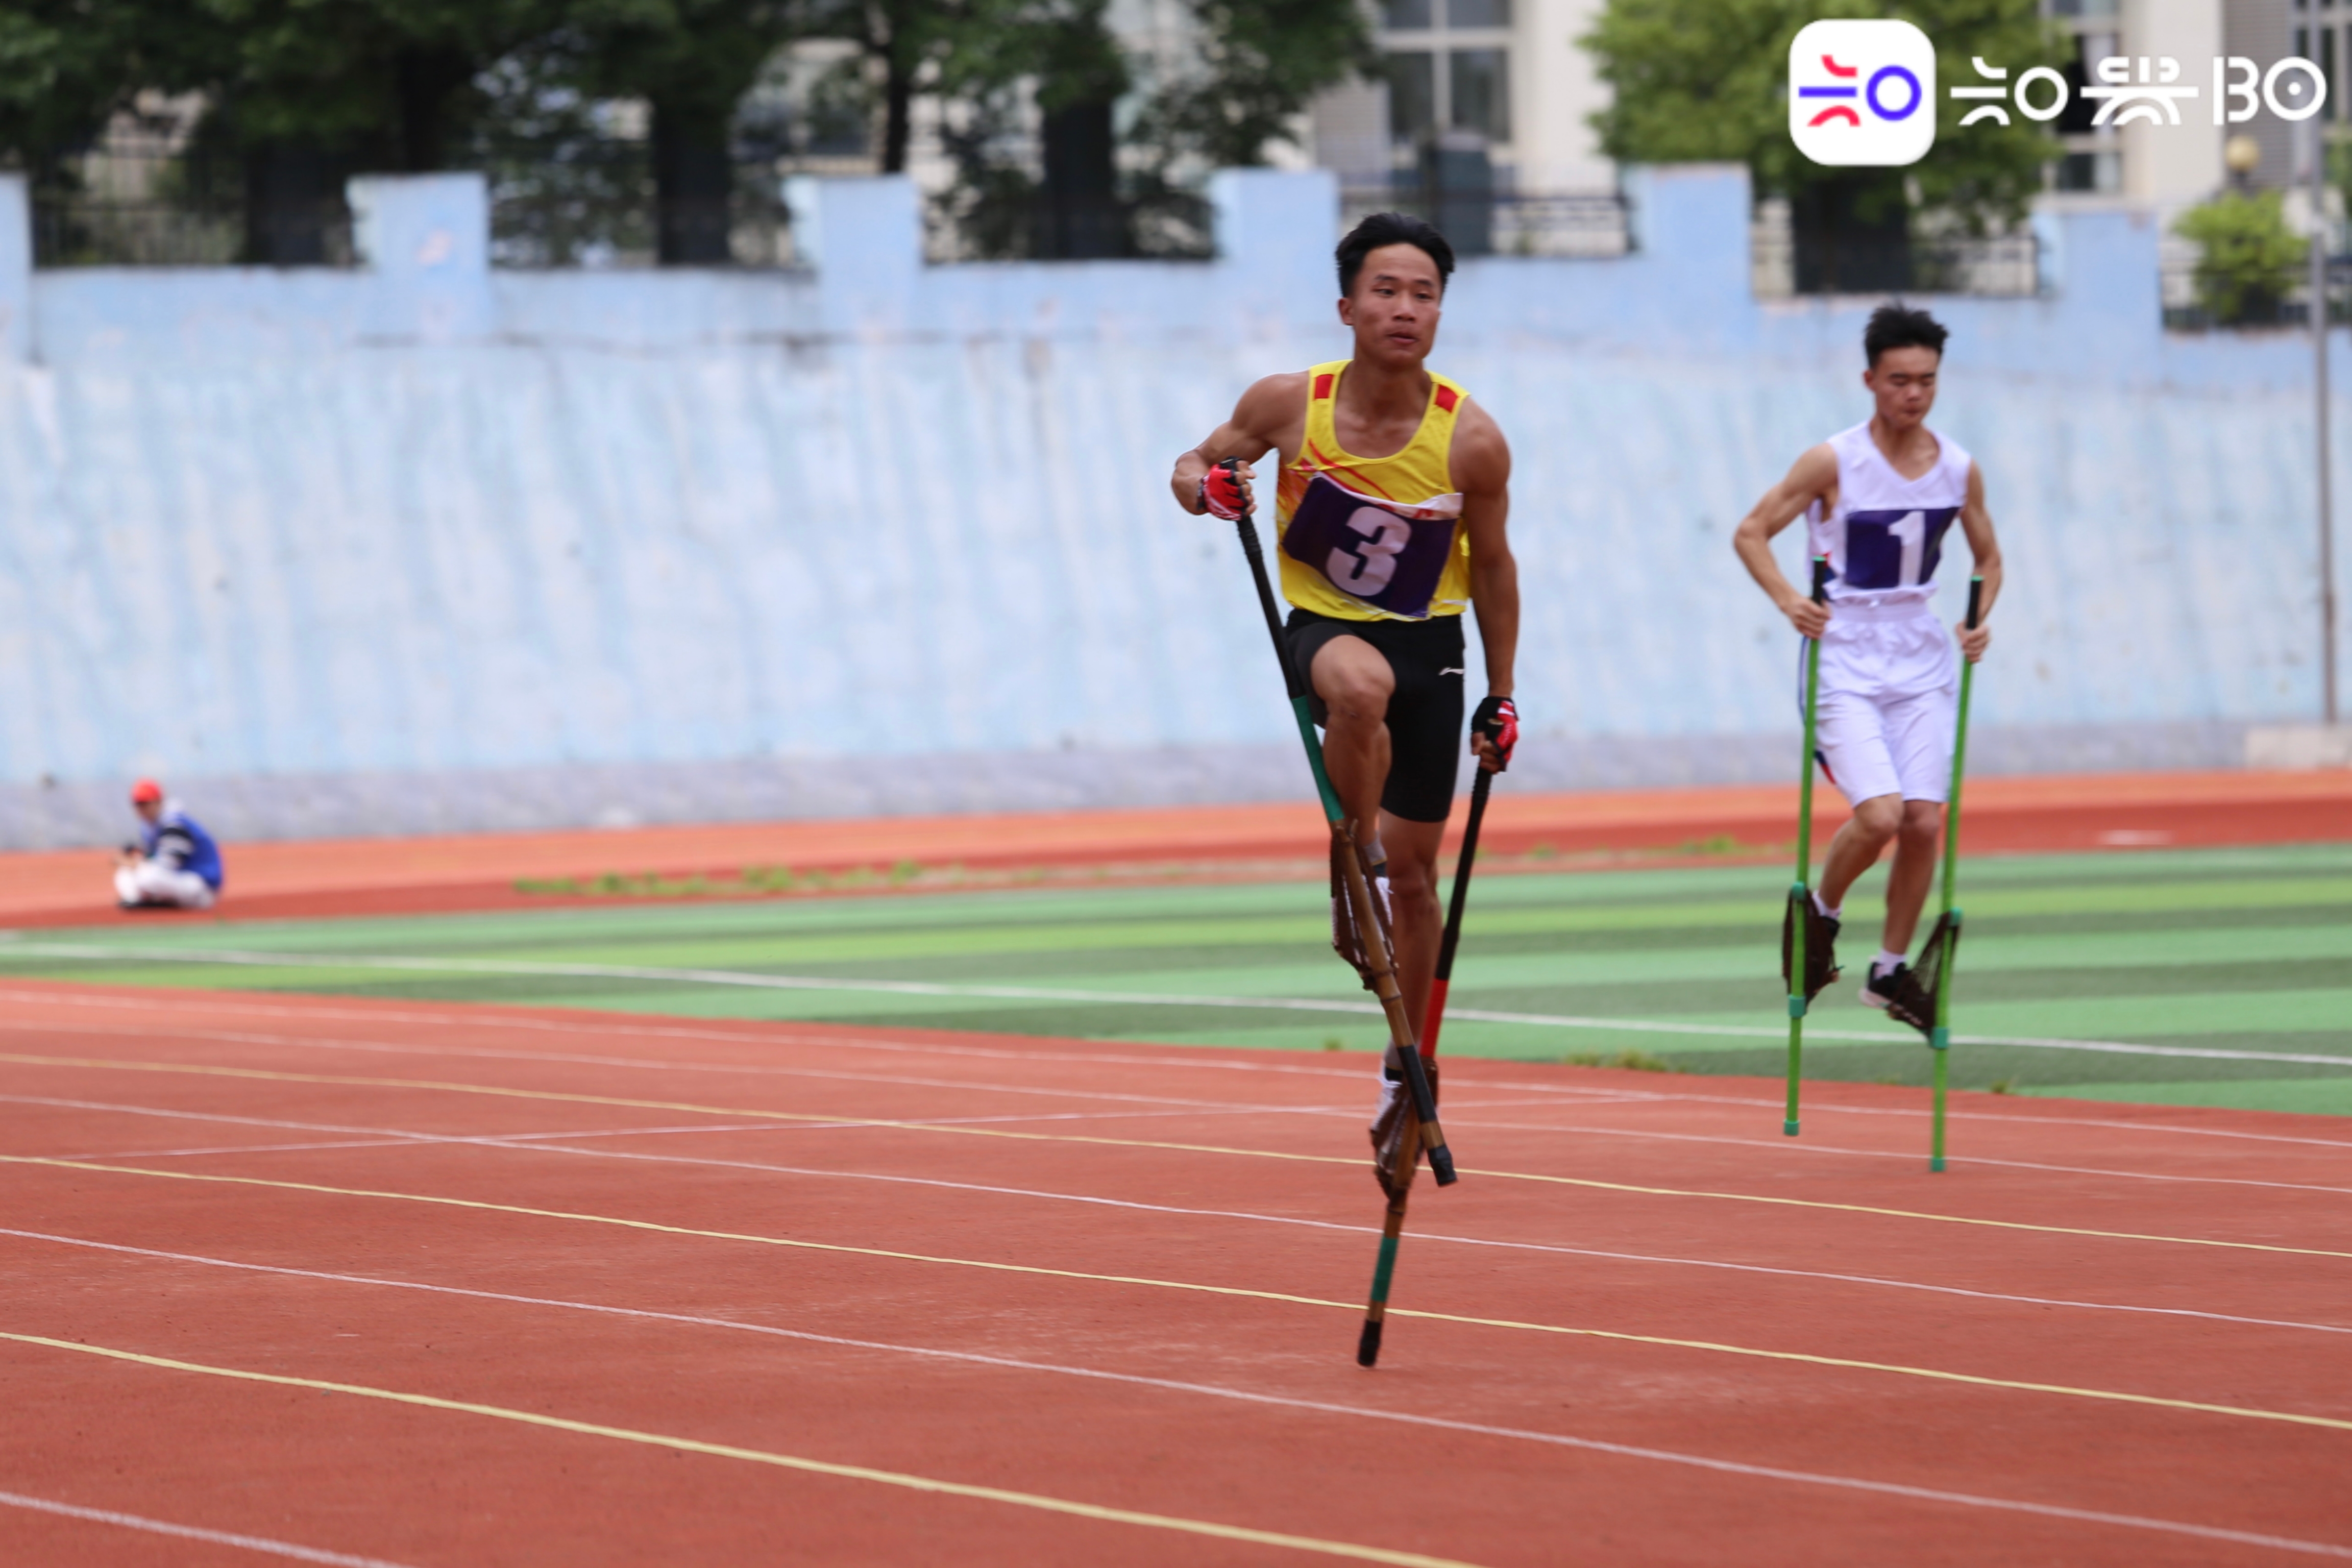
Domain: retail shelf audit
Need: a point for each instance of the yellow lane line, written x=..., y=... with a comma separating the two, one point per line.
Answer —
x=782, y=1461
x=2157, y=1401
x=693, y=1108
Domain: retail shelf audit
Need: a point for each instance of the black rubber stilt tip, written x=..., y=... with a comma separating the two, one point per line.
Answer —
x=1441, y=1162
x=1367, y=1349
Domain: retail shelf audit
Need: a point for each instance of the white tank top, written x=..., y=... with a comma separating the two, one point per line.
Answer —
x=1886, y=532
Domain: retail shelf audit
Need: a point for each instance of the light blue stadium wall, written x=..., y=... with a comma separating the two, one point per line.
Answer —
x=428, y=545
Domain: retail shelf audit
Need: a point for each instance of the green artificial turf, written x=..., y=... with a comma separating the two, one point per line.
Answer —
x=2208, y=965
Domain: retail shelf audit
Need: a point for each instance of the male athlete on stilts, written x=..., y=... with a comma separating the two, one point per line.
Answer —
x=1391, y=513
x=1877, y=500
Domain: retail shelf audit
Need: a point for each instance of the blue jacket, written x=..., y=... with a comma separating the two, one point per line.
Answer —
x=180, y=842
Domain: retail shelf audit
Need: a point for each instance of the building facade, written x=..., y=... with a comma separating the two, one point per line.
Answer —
x=1507, y=79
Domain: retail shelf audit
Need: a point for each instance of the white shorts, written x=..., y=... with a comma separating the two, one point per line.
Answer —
x=1889, y=702
x=152, y=882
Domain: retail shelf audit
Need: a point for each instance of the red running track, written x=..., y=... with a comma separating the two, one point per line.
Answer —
x=304, y=880
x=425, y=1284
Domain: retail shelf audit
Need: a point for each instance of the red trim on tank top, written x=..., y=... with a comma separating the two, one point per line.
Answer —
x=1323, y=385
x=1447, y=397
x=1326, y=466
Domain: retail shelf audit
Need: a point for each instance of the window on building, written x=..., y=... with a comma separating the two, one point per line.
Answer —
x=1449, y=67
x=1481, y=93
x=2074, y=119
x=1412, y=94
x=1465, y=15
x=2091, y=172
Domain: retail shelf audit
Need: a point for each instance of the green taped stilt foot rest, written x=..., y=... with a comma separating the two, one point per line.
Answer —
x=1934, y=1166
x=1940, y=1038
x=1789, y=1128
x=1796, y=1006
x=1368, y=1348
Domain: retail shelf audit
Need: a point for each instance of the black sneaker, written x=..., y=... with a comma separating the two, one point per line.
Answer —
x=1821, y=945
x=1898, y=991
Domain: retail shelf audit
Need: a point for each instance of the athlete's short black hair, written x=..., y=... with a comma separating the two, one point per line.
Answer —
x=1899, y=326
x=1392, y=228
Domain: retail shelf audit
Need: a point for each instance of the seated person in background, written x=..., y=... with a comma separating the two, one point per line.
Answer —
x=175, y=865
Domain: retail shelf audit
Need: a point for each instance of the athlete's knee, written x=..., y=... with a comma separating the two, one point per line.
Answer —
x=1412, y=878
x=1353, y=679
x=1880, y=818
x=1922, y=822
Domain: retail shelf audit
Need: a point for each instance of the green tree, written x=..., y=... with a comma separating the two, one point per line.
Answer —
x=1102, y=190
x=65, y=66
x=900, y=43
x=2248, y=258
x=1706, y=80
x=691, y=61
x=304, y=93
x=1059, y=59
x=1259, y=64
x=393, y=83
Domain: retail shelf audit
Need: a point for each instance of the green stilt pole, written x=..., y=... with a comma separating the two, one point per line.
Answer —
x=1940, y=1038
x=1801, y=895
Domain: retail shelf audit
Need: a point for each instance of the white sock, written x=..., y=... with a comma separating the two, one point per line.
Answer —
x=1836, y=914
x=1886, y=963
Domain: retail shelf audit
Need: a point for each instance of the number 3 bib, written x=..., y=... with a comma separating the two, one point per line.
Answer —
x=1384, y=554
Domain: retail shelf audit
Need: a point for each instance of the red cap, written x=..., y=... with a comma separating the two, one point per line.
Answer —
x=145, y=791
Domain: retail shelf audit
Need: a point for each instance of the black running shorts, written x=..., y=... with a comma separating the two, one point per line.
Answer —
x=1424, y=715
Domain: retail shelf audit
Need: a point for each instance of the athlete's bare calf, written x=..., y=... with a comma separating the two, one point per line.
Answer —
x=1915, y=828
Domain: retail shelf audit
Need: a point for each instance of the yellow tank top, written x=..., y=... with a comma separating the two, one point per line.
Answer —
x=1418, y=481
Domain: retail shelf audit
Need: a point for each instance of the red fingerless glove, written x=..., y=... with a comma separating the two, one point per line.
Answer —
x=1498, y=718
x=1221, y=493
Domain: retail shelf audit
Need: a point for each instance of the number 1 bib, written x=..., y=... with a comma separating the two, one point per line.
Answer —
x=1382, y=554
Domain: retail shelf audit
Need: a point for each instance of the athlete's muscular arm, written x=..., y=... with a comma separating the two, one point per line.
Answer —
x=1271, y=417
x=1976, y=521
x=1811, y=477
x=1481, y=463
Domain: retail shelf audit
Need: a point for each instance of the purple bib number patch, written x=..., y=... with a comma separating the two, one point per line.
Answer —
x=1388, y=556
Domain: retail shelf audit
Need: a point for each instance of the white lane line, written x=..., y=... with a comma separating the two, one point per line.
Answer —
x=376, y=1137
x=193, y=1532
x=1911, y=1156
x=1426, y=1236
x=169, y=1114
x=1203, y=1058
x=542, y=1143
x=1976, y=1116
x=321, y=1043
x=245, y=1037
x=734, y=977
x=1323, y=1407
x=639, y=1026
